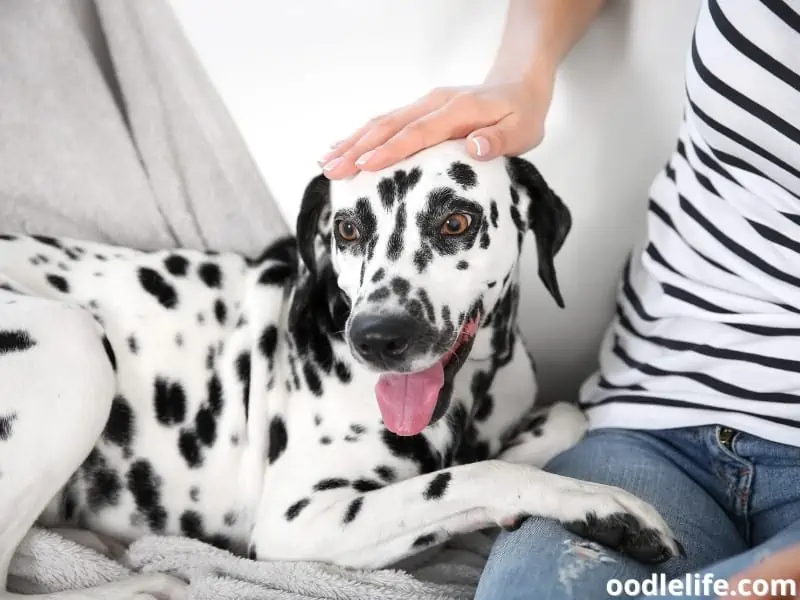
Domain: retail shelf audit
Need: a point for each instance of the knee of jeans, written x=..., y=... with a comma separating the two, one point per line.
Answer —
x=545, y=557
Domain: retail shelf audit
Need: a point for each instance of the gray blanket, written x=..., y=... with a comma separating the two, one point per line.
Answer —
x=111, y=131
x=48, y=562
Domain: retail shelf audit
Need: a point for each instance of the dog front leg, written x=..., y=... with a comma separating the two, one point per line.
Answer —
x=383, y=526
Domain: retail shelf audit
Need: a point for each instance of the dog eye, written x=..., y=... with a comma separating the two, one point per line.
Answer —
x=456, y=224
x=347, y=230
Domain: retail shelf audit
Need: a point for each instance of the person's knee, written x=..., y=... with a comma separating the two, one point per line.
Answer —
x=543, y=560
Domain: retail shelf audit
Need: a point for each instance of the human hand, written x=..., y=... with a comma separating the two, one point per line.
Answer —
x=784, y=565
x=495, y=118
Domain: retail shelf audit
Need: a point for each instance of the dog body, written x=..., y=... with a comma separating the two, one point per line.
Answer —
x=234, y=400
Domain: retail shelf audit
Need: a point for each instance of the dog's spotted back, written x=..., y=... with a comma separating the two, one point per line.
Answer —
x=243, y=409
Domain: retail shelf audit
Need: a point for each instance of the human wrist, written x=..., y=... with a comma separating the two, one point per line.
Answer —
x=535, y=76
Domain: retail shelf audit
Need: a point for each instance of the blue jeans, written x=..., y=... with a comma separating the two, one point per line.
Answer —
x=729, y=505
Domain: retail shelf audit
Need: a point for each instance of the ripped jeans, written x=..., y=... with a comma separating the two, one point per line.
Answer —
x=730, y=502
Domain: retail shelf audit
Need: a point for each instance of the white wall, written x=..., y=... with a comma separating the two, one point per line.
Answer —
x=298, y=75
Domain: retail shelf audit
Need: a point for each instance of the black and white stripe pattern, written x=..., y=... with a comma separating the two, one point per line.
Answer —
x=708, y=317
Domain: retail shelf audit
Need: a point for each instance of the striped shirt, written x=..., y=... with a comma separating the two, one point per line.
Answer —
x=707, y=326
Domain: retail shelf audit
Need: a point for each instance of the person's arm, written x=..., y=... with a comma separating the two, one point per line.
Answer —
x=502, y=116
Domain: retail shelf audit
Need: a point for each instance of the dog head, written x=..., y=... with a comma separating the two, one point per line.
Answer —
x=421, y=253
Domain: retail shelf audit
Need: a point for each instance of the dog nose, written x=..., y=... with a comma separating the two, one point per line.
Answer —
x=382, y=339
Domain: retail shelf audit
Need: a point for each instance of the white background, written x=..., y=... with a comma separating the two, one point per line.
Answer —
x=298, y=75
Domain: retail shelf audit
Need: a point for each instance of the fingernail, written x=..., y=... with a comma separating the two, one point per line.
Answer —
x=330, y=166
x=326, y=157
x=364, y=158
x=481, y=145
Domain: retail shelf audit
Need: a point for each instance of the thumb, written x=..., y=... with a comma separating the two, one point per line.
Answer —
x=504, y=138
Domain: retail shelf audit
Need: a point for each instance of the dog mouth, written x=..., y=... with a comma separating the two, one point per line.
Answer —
x=409, y=402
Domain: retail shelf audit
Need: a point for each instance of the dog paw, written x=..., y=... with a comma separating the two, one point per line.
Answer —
x=625, y=523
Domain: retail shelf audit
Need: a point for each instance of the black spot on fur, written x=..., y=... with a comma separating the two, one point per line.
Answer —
x=485, y=239
x=386, y=192
x=423, y=257
x=15, y=341
x=133, y=345
x=378, y=275
x=192, y=524
x=58, y=282
x=119, y=429
x=406, y=182
x=342, y=372
x=424, y=541
x=146, y=489
x=220, y=311
x=243, y=372
x=331, y=484
x=230, y=518
x=103, y=485
x=396, y=188
x=215, y=399
x=210, y=274
x=414, y=448
x=278, y=439
x=430, y=314
x=176, y=265
x=205, y=426
x=462, y=265
x=7, y=426
x=325, y=440
x=382, y=293
x=367, y=220
x=49, y=241
x=401, y=287
x=483, y=400
x=170, y=402
x=463, y=175
x=194, y=493
x=395, y=246
x=295, y=509
x=268, y=342
x=493, y=213
x=438, y=486
x=312, y=379
x=353, y=509
x=154, y=284
x=366, y=485
x=387, y=474
x=189, y=447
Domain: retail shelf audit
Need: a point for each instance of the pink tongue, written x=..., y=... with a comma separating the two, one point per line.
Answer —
x=407, y=400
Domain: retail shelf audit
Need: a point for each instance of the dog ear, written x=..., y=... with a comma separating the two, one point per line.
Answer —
x=548, y=218
x=314, y=208
x=316, y=203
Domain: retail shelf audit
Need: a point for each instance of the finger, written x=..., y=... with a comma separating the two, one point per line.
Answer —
x=452, y=121
x=506, y=138
x=375, y=133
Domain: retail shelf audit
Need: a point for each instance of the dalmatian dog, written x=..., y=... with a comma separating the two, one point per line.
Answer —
x=354, y=395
